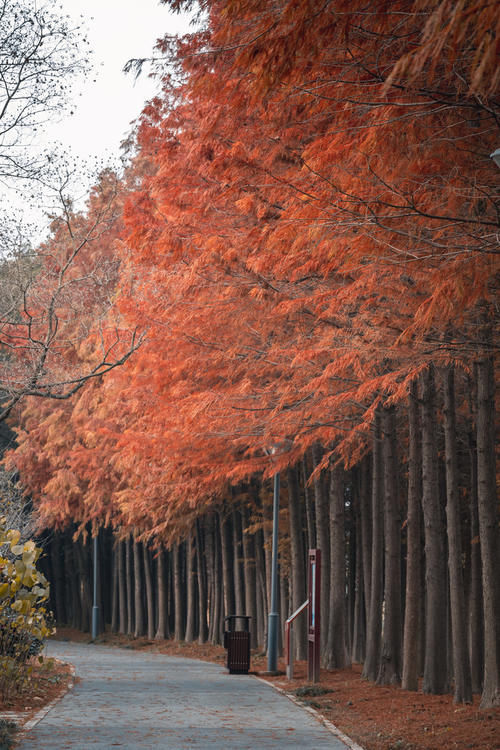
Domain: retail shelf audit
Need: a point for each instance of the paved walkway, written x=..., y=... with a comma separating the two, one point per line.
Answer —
x=136, y=701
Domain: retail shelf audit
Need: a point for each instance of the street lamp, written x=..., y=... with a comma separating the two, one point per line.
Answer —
x=95, y=608
x=273, y=618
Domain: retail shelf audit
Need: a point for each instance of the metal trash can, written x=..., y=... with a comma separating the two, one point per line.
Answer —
x=237, y=643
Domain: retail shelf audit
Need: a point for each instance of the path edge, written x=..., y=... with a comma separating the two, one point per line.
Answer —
x=319, y=717
x=45, y=710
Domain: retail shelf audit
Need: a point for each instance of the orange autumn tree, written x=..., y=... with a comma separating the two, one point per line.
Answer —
x=317, y=228
x=319, y=219
x=54, y=302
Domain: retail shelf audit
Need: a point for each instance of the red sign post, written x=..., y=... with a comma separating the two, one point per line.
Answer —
x=314, y=617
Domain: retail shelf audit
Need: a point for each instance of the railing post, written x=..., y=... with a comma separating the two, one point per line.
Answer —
x=289, y=666
x=95, y=608
x=289, y=639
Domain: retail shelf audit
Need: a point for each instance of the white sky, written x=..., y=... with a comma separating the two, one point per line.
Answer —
x=117, y=31
x=106, y=100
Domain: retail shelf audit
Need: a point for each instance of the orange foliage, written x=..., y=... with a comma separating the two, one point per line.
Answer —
x=311, y=223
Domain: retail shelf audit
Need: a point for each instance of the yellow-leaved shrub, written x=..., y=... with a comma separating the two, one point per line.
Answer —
x=24, y=619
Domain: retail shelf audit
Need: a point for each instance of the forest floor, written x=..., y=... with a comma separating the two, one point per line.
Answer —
x=378, y=718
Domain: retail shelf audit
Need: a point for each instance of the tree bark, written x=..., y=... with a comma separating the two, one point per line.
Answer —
x=178, y=597
x=58, y=578
x=488, y=530
x=250, y=576
x=390, y=657
x=359, y=624
x=150, y=602
x=310, y=520
x=298, y=566
x=476, y=633
x=336, y=652
x=227, y=563
x=162, y=630
x=461, y=663
x=82, y=557
x=202, y=585
x=217, y=584
x=374, y=628
x=366, y=532
x=260, y=569
x=129, y=574
x=239, y=589
x=190, y=632
x=323, y=542
x=122, y=586
x=413, y=603
x=435, y=664
x=115, y=606
x=139, y=629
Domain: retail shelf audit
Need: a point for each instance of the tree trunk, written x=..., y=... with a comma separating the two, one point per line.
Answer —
x=298, y=566
x=260, y=569
x=150, y=603
x=190, y=632
x=162, y=630
x=227, y=563
x=323, y=542
x=250, y=576
x=414, y=548
x=435, y=665
x=178, y=593
x=58, y=578
x=310, y=520
x=209, y=555
x=129, y=582
x=82, y=556
x=239, y=590
x=217, y=584
x=488, y=530
x=115, y=607
x=202, y=585
x=71, y=565
x=359, y=625
x=122, y=586
x=336, y=652
x=461, y=664
x=476, y=633
x=366, y=532
x=390, y=658
x=374, y=628
x=139, y=629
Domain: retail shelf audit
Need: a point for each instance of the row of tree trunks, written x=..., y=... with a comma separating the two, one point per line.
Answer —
x=419, y=538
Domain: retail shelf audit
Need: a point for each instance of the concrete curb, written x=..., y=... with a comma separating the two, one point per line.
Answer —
x=319, y=717
x=45, y=710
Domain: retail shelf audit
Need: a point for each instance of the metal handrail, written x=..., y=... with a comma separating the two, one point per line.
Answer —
x=289, y=639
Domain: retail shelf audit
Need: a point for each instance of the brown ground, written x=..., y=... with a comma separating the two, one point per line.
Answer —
x=47, y=682
x=378, y=718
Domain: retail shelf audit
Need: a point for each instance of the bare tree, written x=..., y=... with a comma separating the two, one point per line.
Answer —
x=59, y=296
x=58, y=323
x=40, y=51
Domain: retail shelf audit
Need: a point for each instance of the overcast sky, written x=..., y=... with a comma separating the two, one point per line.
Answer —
x=117, y=31
x=106, y=100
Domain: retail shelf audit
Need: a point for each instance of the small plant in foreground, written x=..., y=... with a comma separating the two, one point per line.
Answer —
x=311, y=690
x=24, y=621
x=8, y=730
